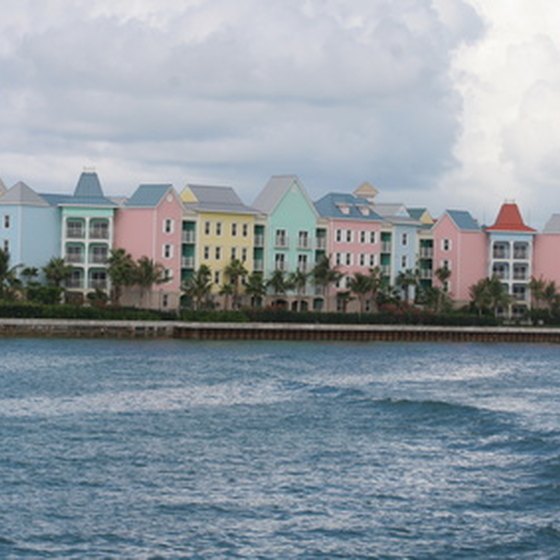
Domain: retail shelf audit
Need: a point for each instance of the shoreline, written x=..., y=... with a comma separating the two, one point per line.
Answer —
x=81, y=328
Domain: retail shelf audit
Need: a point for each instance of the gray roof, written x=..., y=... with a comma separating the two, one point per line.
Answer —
x=553, y=224
x=416, y=213
x=217, y=199
x=148, y=196
x=22, y=195
x=391, y=209
x=275, y=190
x=463, y=220
x=88, y=186
x=331, y=205
x=3, y=187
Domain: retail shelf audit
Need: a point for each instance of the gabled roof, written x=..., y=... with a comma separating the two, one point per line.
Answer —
x=275, y=190
x=22, y=195
x=366, y=190
x=217, y=199
x=3, y=187
x=553, y=224
x=346, y=206
x=148, y=196
x=463, y=220
x=391, y=209
x=509, y=219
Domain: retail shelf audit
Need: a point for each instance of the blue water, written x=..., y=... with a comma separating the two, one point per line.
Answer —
x=174, y=449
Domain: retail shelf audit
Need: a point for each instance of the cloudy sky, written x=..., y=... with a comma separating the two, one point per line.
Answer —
x=445, y=103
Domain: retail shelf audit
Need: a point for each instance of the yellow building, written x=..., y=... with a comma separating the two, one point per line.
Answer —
x=218, y=228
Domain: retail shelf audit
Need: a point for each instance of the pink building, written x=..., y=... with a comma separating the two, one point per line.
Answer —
x=149, y=224
x=546, y=264
x=460, y=245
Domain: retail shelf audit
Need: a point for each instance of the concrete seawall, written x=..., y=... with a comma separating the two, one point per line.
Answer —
x=75, y=328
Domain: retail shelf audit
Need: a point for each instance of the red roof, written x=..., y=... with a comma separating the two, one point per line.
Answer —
x=509, y=219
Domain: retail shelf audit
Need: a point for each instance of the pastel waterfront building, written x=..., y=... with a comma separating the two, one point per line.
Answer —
x=511, y=253
x=218, y=228
x=460, y=245
x=293, y=238
x=29, y=227
x=86, y=233
x=546, y=251
x=425, y=248
x=149, y=224
x=353, y=236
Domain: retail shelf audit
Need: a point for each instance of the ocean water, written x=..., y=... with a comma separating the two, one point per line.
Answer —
x=176, y=449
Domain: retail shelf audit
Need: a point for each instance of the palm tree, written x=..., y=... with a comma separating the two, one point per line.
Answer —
x=148, y=273
x=298, y=281
x=227, y=290
x=480, y=296
x=198, y=286
x=121, y=270
x=57, y=272
x=235, y=271
x=498, y=295
x=407, y=279
x=29, y=273
x=537, y=287
x=550, y=296
x=344, y=298
x=255, y=288
x=361, y=285
x=442, y=274
x=278, y=283
x=324, y=275
x=9, y=282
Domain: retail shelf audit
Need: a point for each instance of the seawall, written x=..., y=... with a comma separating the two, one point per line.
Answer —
x=75, y=328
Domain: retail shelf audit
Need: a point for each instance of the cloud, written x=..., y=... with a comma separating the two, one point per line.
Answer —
x=337, y=92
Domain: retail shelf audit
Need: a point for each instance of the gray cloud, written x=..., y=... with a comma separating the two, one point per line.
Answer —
x=337, y=92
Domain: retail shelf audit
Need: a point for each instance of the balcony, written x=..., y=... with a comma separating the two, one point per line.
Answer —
x=74, y=258
x=98, y=283
x=258, y=265
x=425, y=274
x=98, y=258
x=502, y=274
x=522, y=274
x=385, y=246
x=385, y=270
x=99, y=233
x=519, y=295
x=75, y=233
x=259, y=240
x=75, y=283
x=321, y=243
x=281, y=242
x=426, y=252
x=188, y=236
x=521, y=254
x=187, y=262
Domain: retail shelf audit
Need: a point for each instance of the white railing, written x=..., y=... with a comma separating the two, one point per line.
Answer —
x=187, y=262
x=188, y=237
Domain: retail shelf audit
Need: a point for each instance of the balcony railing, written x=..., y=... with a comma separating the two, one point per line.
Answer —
x=187, y=262
x=426, y=252
x=75, y=233
x=97, y=284
x=520, y=296
x=259, y=240
x=98, y=258
x=425, y=274
x=75, y=283
x=385, y=270
x=281, y=242
x=304, y=243
x=188, y=237
x=500, y=254
x=258, y=265
x=99, y=233
x=501, y=274
x=74, y=258
x=520, y=275
x=521, y=254
x=385, y=246
x=321, y=243
x=281, y=265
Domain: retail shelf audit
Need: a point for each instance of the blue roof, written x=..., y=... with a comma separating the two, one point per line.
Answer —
x=88, y=186
x=463, y=220
x=148, y=196
x=416, y=213
x=330, y=206
x=69, y=200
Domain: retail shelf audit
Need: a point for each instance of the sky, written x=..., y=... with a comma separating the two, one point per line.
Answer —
x=438, y=103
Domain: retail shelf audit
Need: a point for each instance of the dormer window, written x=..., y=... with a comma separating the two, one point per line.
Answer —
x=344, y=208
x=364, y=210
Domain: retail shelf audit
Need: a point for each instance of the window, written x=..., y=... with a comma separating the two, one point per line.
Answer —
x=165, y=300
x=6, y=221
x=362, y=259
x=245, y=230
x=233, y=229
x=338, y=258
x=372, y=236
x=303, y=240
x=75, y=228
x=404, y=239
x=446, y=244
x=167, y=274
x=372, y=260
x=206, y=253
x=302, y=263
x=168, y=225
x=404, y=261
x=339, y=235
x=218, y=228
x=167, y=251
x=362, y=236
x=348, y=259
x=446, y=264
x=281, y=238
x=6, y=246
x=233, y=253
x=349, y=235
x=217, y=277
x=207, y=228
x=74, y=254
x=243, y=254
x=218, y=253
x=279, y=263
